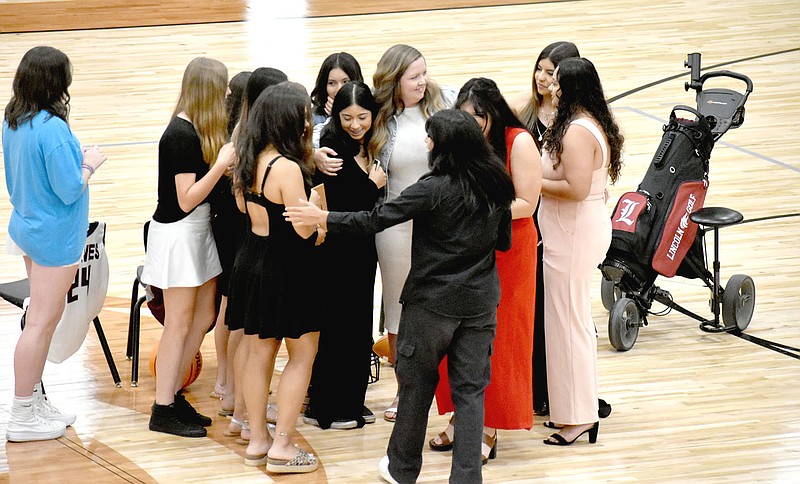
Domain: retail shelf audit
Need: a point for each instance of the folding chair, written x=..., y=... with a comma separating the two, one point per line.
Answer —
x=16, y=292
x=134, y=321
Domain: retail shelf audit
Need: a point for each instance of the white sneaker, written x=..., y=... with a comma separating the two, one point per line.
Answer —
x=48, y=411
x=383, y=469
x=26, y=426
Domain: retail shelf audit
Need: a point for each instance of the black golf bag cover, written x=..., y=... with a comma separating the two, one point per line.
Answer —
x=652, y=233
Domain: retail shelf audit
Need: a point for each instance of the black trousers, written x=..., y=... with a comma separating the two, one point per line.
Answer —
x=424, y=338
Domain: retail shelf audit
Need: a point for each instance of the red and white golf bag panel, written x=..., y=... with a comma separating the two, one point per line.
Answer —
x=679, y=232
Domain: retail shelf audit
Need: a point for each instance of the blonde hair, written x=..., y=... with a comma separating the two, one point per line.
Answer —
x=386, y=87
x=202, y=98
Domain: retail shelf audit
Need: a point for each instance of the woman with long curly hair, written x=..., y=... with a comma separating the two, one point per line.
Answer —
x=582, y=150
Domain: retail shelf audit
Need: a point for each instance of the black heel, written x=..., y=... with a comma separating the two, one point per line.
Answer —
x=593, y=432
x=558, y=439
x=492, y=443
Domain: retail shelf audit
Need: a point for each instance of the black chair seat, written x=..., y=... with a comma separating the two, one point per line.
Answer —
x=16, y=292
x=716, y=217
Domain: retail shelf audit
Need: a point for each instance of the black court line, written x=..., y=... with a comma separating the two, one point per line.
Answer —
x=715, y=66
x=112, y=468
x=783, y=349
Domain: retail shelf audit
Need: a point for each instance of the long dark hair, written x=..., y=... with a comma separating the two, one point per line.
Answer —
x=556, y=52
x=40, y=84
x=580, y=89
x=340, y=60
x=260, y=79
x=489, y=104
x=351, y=93
x=461, y=152
x=233, y=102
x=281, y=118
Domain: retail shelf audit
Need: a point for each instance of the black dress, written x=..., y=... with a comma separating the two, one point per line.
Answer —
x=345, y=268
x=229, y=226
x=269, y=294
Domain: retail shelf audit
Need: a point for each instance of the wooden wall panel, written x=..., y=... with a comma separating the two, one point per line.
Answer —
x=36, y=16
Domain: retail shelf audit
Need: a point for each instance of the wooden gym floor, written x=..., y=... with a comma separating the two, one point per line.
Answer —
x=688, y=406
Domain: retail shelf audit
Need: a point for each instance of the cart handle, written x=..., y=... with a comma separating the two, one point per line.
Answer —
x=724, y=73
x=683, y=107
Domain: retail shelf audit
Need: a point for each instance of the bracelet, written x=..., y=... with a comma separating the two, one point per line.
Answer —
x=88, y=167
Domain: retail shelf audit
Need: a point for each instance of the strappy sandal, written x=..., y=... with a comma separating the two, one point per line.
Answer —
x=444, y=443
x=218, y=393
x=550, y=425
x=235, y=433
x=390, y=418
x=488, y=442
x=300, y=463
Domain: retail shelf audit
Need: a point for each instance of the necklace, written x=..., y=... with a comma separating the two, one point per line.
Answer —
x=539, y=131
x=541, y=127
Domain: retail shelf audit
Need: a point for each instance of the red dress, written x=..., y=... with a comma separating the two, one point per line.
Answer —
x=509, y=396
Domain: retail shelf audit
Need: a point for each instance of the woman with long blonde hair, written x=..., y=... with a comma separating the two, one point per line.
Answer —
x=406, y=98
x=181, y=256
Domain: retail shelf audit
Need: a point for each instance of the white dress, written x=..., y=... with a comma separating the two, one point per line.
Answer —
x=409, y=161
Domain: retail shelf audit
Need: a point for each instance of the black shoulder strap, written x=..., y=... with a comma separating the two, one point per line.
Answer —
x=269, y=167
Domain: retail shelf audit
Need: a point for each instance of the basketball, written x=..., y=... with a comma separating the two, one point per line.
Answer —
x=381, y=347
x=191, y=374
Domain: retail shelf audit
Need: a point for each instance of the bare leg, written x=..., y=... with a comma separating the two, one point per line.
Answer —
x=292, y=390
x=229, y=400
x=222, y=347
x=204, y=313
x=255, y=383
x=391, y=414
x=49, y=286
x=179, y=307
x=240, y=356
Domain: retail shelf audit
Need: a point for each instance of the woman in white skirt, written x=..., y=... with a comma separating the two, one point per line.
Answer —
x=181, y=256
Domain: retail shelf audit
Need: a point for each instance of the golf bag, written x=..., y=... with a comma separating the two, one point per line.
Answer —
x=652, y=233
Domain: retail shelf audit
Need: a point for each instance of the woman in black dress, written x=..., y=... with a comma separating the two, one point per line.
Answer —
x=272, y=269
x=346, y=269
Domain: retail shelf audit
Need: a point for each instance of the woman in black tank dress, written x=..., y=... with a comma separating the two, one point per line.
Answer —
x=268, y=290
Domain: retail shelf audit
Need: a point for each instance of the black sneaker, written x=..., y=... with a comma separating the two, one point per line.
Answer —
x=164, y=419
x=308, y=417
x=186, y=412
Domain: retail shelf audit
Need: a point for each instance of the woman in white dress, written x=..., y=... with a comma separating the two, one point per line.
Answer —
x=407, y=98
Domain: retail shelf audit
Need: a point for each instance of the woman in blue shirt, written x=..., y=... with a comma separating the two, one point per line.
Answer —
x=47, y=175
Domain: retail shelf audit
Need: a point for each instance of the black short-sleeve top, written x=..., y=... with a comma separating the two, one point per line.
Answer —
x=179, y=151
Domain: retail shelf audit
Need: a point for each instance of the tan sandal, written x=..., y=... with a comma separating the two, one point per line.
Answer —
x=444, y=443
x=489, y=445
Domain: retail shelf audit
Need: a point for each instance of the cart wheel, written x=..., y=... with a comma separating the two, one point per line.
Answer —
x=738, y=301
x=623, y=324
x=609, y=293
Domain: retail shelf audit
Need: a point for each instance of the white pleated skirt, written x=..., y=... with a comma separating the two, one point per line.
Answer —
x=182, y=253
